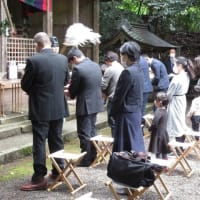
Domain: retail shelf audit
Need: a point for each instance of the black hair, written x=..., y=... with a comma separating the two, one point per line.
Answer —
x=111, y=56
x=197, y=66
x=131, y=49
x=162, y=98
x=74, y=51
x=187, y=65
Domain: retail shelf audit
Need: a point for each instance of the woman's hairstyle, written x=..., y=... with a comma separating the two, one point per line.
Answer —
x=162, y=98
x=197, y=66
x=187, y=65
x=131, y=49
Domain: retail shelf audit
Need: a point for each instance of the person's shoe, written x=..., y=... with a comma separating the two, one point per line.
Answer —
x=53, y=176
x=32, y=186
x=171, y=154
x=122, y=191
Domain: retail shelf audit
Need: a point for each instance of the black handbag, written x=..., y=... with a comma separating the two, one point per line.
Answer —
x=130, y=169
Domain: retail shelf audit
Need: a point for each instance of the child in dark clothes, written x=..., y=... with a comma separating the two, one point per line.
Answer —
x=159, y=137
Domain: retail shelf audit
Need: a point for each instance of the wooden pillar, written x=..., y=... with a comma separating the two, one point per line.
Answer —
x=75, y=11
x=2, y=41
x=48, y=20
x=96, y=6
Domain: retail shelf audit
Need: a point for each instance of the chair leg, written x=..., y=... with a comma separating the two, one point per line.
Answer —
x=163, y=195
x=71, y=161
x=110, y=185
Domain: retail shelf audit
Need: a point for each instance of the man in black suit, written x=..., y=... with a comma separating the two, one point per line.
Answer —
x=46, y=74
x=169, y=62
x=86, y=88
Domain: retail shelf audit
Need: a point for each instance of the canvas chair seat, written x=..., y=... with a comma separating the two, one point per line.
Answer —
x=71, y=160
x=103, y=146
x=181, y=151
x=191, y=136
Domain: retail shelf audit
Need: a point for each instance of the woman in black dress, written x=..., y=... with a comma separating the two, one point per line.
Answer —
x=127, y=102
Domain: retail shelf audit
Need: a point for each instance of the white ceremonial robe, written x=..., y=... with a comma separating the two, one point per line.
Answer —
x=176, y=122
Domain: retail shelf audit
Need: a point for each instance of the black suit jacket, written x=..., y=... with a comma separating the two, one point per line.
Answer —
x=168, y=65
x=46, y=73
x=86, y=87
x=128, y=95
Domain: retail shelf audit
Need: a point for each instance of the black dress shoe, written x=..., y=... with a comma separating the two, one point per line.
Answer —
x=32, y=186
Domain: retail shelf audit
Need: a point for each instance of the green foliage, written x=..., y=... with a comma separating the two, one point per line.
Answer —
x=26, y=151
x=189, y=20
x=112, y=17
x=165, y=15
x=3, y=26
x=137, y=7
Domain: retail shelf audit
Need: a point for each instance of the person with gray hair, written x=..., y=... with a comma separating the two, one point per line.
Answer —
x=46, y=74
x=127, y=102
x=109, y=81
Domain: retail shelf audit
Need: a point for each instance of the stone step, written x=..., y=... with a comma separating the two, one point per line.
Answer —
x=15, y=128
x=12, y=118
x=17, y=123
x=18, y=146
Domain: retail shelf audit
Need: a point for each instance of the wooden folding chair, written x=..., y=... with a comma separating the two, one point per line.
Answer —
x=191, y=137
x=148, y=118
x=181, y=151
x=136, y=193
x=103, y=146
x=71, y=160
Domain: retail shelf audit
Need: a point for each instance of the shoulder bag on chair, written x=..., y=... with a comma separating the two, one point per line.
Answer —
x=129, y=169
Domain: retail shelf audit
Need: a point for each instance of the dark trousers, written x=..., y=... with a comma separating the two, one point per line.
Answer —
x=86, y=129
x=180, y=139
x=145, y=101
x=42, y=130
x=111, y=121
x=195, y=124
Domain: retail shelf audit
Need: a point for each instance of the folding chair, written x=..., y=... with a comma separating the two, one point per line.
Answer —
x=191, y=137
x=103, y=146
x=135, y=193
x=181, y=151
x=71, y=161
x=148, y=118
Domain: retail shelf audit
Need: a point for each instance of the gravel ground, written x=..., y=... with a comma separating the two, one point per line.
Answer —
x=182, y=188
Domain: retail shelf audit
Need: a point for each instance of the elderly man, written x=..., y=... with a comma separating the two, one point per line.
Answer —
x=46, y=74
x=109, y=81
